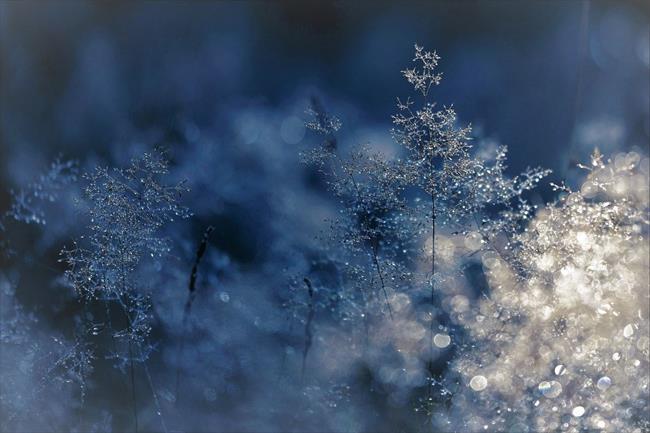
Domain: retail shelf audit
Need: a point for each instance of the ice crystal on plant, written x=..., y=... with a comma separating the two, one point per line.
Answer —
x=127, y=209
x=423, y=76
x=321, y=121
x=369, y=189
x=395, y=218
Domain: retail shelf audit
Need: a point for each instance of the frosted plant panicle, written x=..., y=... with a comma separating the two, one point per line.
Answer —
x=423, y=76
x=25, y=202
x=127, y=209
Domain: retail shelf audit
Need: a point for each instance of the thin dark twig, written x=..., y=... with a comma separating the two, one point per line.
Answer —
x=433, y=275
x=200, y=251
x=123, y=305
x=375, y=259
x=199, y=255
x=308, y=326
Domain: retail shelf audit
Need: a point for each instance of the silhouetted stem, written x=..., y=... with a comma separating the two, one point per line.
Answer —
x=308, y=324
x=433, y=274
x=200, y=251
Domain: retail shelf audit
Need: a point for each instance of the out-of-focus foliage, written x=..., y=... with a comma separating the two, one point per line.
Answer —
x=24, y=205
x=562, y=344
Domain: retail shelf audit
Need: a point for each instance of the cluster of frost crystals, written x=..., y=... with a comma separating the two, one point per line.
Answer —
x=459, y=195
x=496, y=208
x=320, y=121
x=422, y=79
x=438, y=149
x=26, y=203
x=561, y=343
x=439, y=160
x=394, y=259
x=369, y=187
x=127, y=208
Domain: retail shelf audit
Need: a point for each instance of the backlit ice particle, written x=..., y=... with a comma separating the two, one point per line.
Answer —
x=578, y=411
x=478, y=383
x=441, y=340
x=550, y=389
x=628, y=331
x=604, y=383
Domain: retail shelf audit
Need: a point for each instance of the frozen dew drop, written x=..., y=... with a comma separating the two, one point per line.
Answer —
x=583, y=240
x=604, y=383
x=478, y=383
x=546, y=262
x=550, y=389
x=603, y=309
x=441, y=340
x=560, y=370
x=628, y=331
x=578, y=411
x=616, y=356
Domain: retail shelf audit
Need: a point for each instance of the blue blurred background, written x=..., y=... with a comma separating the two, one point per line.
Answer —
x=79, y=76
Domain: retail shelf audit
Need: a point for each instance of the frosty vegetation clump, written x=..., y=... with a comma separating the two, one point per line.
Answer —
x=127, y=209
x=393, y=210
x=569, y=278
x=582, y=298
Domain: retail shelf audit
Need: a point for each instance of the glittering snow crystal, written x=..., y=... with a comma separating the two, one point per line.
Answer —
x=564, y=344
